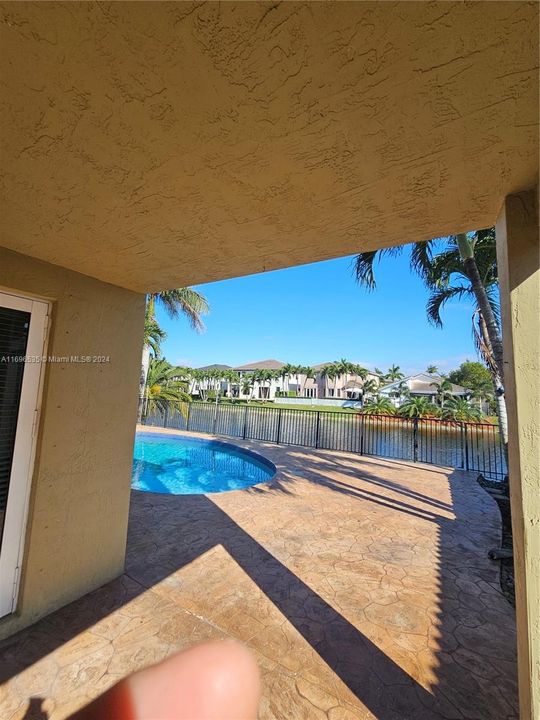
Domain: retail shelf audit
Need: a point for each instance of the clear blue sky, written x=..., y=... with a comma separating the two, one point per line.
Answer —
x=316, y=313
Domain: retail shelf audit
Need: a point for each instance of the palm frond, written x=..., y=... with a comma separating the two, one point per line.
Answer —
x=186, y=301
x=363, y=265
x=153, y=335
x=438, y=299
x=422, y=259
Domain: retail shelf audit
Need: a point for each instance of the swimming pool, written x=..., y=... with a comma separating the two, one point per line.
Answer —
x=179, y=465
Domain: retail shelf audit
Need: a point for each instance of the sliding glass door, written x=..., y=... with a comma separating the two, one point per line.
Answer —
x=22, y=336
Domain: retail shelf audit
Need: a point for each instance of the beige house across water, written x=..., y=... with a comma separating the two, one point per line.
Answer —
x=347, y=386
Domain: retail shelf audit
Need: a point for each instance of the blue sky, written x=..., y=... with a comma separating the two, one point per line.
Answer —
x=316, y=313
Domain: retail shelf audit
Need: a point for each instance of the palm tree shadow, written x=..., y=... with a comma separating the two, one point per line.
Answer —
x=168, y=532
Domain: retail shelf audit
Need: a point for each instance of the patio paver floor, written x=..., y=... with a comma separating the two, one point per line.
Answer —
x=362, y=586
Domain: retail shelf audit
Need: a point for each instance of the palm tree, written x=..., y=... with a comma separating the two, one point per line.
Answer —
x=308, y=374
x=465, y=267
x=178, y=301
x=285, y=374
x=344, y=368
x=341, y=367
x=204, y=384
x=163, y=390
x=418, y=407
x=263, y=377
x=369, y=388
x=432, y=369
x=394, y=373
x=359, y=371
x=214, y=378
x=443, y=390
x=153, y=336
x=378, y=406
x=468, y=267
x=233, y=381
x=458, y=409
x=297, y=371
x=400, y=391
x=326, y=374
x=247, y=385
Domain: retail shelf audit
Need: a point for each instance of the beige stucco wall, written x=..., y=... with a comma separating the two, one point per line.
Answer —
x=519, y=274
x=80, y=491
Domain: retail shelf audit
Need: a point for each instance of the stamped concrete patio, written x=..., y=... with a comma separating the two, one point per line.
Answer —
x=362, y=586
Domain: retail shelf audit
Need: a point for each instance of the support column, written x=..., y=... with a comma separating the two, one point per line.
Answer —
x=518, y=254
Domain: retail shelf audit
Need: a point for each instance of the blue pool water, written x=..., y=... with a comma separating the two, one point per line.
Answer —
x=179, y=465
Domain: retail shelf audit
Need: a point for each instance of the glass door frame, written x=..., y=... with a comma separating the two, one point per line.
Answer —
x=16, y=515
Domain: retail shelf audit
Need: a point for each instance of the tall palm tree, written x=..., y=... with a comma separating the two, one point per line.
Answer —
x=443, y=390
x=325, y=374
x=285, y=373
x=179, y=301
x=345, y=368
x=233, y=381
x=247, y=384
x=341, y=368
x=297, y=371
x=394, y=373
x=466, y=266
x=401, y=391
x=153, y=336
x=369, y=389
x=359, y=371
x=266, y=377
x=308, y=374
x=432, y=369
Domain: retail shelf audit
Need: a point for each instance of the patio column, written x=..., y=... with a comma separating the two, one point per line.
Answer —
x=519, y=277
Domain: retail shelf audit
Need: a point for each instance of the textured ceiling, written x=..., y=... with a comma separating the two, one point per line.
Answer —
x=161, y=144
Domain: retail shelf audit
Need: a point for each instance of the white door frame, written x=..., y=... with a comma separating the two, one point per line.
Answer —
x=12, y=541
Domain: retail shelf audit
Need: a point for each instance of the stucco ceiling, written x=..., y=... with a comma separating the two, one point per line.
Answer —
x=154, y=144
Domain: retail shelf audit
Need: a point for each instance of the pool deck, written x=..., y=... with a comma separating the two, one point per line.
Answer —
x=362, y=586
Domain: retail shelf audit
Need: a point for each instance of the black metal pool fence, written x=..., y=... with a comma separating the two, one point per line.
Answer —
x=462, y=445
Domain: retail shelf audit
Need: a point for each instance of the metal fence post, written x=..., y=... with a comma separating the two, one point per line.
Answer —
x=361, y=434
x=188, y=416
x=215, y=419
x=415, y=440
x=462, y=443
x=165, y=416
x=466, y=449
x=245, y=423
x=278, y=426
x=317, y=429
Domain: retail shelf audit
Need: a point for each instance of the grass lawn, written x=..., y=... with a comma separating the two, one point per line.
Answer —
x=322, y=408
x=285, y=406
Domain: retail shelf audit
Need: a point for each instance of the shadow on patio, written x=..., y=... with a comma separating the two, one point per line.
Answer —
x=359, y=583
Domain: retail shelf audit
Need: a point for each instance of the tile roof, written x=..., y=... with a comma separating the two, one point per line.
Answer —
x=262, y=365
x=215, y=367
